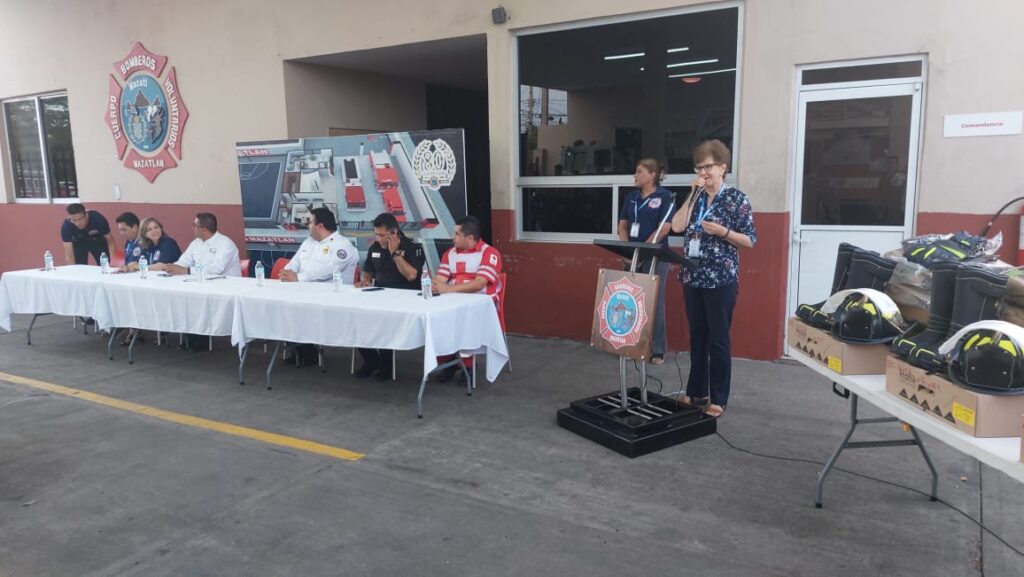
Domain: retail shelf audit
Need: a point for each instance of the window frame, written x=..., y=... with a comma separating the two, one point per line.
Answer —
x=37, y=101
x=616, y=182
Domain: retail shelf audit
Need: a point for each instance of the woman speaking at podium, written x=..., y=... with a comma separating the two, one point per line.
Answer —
x=716, y=221
x=640, y=220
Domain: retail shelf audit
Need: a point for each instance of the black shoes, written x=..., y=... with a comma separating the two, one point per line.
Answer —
x=366, y=370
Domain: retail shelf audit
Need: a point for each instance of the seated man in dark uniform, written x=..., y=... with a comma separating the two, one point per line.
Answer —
x=85, y=232
x=393, y=261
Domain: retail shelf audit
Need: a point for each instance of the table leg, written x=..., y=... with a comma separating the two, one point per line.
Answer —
x=241, y=364
x=32, y=324
x=110, y=343
x=847, y=444
x=131, y=347
x=270, y=365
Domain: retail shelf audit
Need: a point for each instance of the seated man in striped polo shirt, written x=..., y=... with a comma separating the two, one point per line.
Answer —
x=471, y=266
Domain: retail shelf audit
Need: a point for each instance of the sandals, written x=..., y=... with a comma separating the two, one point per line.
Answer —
x=657, y=360
x=714, y=411
x=688, y=401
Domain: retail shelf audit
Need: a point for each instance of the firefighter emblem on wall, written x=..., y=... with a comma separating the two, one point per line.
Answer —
x=145, y=112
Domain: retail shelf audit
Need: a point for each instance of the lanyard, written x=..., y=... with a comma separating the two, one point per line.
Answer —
x=636, y=211
x=705, y=211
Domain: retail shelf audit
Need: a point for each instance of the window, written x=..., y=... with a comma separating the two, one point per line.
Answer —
x=596, y=98
x=41, y=154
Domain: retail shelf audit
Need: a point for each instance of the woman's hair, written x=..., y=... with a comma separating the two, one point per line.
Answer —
x=716, y=149
x=653, y=166
x=143, y=239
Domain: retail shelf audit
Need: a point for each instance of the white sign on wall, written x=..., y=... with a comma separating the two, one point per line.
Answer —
x=983, y=124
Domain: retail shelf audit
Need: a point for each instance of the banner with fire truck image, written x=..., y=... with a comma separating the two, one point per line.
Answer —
x=419, y=177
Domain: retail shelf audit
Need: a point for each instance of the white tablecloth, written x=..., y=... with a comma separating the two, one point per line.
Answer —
x=176, y=304
x=387, y=319
x=68, y=290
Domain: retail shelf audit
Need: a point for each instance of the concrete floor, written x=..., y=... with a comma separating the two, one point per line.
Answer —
x=487, y=485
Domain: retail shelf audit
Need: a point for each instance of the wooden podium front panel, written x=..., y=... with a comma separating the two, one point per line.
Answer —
x=624, y=313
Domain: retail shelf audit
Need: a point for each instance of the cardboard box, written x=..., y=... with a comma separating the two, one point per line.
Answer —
x=973, y=413
x=843, y=358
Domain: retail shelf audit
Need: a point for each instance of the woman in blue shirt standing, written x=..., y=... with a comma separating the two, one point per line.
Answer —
x=642, y=212
x=716, y=221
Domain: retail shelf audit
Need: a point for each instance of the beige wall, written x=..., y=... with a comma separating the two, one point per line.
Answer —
x=318, y=98
x=229, y=56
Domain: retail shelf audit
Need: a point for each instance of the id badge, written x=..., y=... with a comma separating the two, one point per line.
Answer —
x=634, y=230
x=694, y=248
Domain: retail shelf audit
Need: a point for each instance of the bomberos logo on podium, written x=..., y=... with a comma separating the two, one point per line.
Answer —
x=624, y=308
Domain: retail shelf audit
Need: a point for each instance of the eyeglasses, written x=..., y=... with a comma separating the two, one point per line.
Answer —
x=704, y=167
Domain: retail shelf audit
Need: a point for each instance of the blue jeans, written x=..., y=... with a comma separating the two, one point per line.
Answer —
x=709, y=312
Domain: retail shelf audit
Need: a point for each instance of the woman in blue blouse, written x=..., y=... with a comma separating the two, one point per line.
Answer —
x=156, y=246
x=716, y=221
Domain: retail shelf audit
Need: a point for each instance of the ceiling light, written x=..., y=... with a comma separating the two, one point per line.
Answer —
x=621, y=56
x=691, y=63
x=674, y=50
x=641, y=69
x=692, y=74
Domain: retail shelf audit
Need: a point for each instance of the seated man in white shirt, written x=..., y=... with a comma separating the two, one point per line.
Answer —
x=216, y=252
x=324, y=252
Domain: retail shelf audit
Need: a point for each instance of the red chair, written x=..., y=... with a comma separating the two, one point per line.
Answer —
x=279, y=264
x=245, y=266
x=117, y=259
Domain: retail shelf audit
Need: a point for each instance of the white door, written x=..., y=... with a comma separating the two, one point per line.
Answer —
x=855, y=178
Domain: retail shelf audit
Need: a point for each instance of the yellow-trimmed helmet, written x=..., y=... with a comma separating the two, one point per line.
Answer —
x=861, y=319
x=988, y=361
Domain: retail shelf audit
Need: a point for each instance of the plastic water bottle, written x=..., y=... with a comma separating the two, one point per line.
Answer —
x=426, y=285
x=48, y=261
x=143, y=267
x=336, y=277
x=201, y=272
x=104, y=264
x=260, y=273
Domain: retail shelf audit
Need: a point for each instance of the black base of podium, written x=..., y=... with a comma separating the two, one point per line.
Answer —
x=639, y=429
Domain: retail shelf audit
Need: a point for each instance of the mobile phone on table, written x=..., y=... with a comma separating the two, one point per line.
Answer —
x=373, y=288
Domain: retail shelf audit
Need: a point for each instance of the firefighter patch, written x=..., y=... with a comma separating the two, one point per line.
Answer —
x=655, y=203
x=342, y=254
x=136, y=251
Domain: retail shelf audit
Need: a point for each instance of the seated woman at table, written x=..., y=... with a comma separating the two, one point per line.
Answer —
x=157, y=247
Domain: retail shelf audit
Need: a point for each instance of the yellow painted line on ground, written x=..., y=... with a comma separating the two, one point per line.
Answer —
x=189, y=420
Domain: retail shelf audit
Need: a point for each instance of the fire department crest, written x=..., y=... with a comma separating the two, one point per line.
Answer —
x=622, y=313
x=145, y=113
x=433, y=161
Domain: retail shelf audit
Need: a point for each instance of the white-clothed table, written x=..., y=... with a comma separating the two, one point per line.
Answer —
x=174, y=304
x=68, y=290
x=387, y=319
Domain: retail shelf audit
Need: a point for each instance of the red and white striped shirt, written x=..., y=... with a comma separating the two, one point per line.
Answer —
x=463, y=266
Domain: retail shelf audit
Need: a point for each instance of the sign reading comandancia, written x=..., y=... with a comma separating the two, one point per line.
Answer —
x=145, y=112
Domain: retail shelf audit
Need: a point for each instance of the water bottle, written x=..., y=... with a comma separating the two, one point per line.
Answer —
x=104, y=264
x=48, y=261
x=260, y=273
x=426, y=285
x=336, y=277
x=201, y=272
x=143, y=267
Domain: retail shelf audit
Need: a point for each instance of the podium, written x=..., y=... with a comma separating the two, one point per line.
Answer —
x=632, y=421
